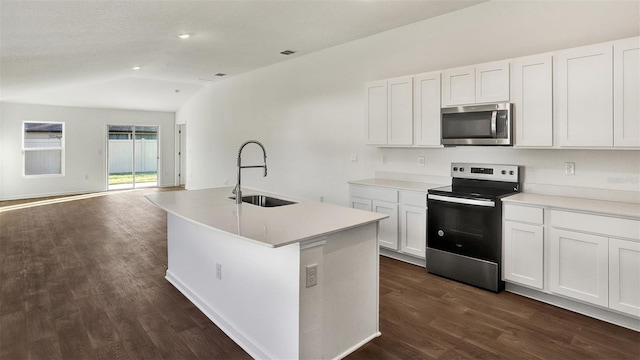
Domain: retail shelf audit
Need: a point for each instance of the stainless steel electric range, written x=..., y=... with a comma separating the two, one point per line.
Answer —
x=464, y=231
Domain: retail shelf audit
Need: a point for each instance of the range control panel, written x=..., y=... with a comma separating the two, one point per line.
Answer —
x=493, y=172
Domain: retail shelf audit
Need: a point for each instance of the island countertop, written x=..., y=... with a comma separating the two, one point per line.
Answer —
x=272, y=227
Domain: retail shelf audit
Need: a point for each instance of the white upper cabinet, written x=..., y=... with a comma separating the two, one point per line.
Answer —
x=400, y=107
x=492, y=82
x=626, y=77
x=389, y=111
x=459, y=86
x=532, y=97
x=376, y=112
x=584, y=96
x=484, y=83
x=426, y=92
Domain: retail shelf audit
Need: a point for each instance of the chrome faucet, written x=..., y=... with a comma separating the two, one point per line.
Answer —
x=237, y=191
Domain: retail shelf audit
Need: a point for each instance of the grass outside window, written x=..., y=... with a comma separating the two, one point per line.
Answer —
x=127, y=178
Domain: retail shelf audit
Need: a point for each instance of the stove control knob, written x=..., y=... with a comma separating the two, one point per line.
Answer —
x=511, y=172
x=461, y=169
x=455, y=168
x=440, y=233
x=504, y=172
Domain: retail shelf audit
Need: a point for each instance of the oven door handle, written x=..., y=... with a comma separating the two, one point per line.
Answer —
x=479, y=202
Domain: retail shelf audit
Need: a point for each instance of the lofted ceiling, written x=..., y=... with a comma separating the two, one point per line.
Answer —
x=82, y=53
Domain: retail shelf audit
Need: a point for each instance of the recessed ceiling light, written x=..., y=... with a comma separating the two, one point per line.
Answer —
x=184, y=36
x=136, y=68
x=287, y=52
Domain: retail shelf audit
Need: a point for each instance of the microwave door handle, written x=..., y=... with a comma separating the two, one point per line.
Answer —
x=494, y=124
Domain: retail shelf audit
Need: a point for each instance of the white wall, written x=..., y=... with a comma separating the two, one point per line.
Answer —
x=85, y=148
x=309, y=111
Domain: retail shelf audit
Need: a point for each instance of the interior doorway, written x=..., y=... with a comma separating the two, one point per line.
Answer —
x=133, y=156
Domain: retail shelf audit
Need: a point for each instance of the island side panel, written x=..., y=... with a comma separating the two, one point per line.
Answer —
x=250, y=291
x=340, y=314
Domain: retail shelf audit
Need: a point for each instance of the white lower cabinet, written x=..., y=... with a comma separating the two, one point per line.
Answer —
x=405, y=230
x=587, y=257
x=523, y=239
x=413, y=223
x=524, y=253
x=624, y=276
x=579, y=266
x=388, y=231
x=361, y=204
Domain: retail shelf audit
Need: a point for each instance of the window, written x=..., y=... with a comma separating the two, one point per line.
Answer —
x=43, y=148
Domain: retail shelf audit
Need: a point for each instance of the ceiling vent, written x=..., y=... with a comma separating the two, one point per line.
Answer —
x=287, y=52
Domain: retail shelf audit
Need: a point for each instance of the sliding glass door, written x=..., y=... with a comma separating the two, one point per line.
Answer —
x=133, y=156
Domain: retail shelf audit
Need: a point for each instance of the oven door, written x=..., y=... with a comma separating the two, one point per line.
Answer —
x=469, y=227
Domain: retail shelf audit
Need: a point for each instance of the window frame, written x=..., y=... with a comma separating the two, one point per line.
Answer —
x=25, y=149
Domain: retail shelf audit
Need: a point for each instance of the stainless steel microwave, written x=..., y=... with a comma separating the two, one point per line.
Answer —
x=488, y=124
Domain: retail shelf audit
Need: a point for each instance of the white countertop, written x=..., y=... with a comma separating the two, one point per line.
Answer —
x=272, y=227
x=614, y=208
x=397, y=184
x=571, y=203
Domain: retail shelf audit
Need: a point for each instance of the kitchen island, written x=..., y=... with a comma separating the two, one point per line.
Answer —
x=286, y=282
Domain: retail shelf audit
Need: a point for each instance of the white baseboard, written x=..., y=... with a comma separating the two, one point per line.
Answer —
x=403, y=257
x=575, y=306
x=245, y=342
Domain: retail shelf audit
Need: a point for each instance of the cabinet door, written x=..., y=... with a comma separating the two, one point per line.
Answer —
x=532, y=97
x=459, y=87
x=579, y=266
x=492, y=82
x=376, y=112
x=361, y=204
x=388, y=230
x=400, y=108
x=624, y=276
x=585, y=96
x=413, y=230
x=626, y=109
x=523, y=254
x=426, y=93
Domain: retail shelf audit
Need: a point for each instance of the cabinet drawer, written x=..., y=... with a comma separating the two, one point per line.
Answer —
x=375, y=193
x=413, y=198
x=528, y=214
x=605, y=225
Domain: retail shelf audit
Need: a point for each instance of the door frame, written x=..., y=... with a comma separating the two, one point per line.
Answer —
x=133, y=155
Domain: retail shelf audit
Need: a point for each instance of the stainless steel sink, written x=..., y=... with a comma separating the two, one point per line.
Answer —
x=264, y=201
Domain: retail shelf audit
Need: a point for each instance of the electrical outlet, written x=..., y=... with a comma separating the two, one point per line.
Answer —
x=218, y=271
x=312, y=275
x=321, y=198
x=354, y=158
x=384, y=160
x=569, y=168
x=421, y=160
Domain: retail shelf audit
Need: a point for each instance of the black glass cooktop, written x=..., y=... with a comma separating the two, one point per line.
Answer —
x=477, y=189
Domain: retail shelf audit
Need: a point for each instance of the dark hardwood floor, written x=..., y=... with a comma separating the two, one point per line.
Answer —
x=84, y=279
